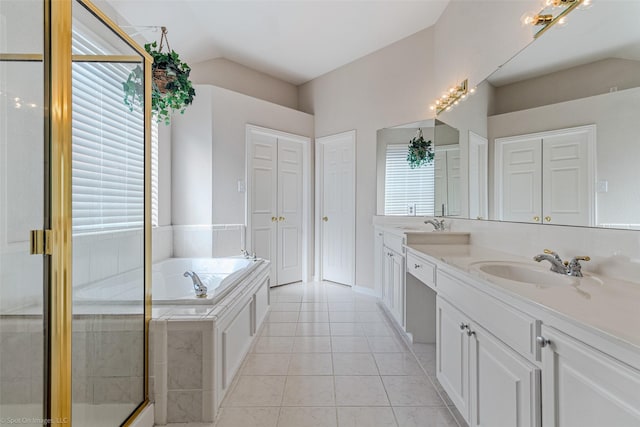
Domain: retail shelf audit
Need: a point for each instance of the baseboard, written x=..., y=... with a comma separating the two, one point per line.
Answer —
x=366, y=291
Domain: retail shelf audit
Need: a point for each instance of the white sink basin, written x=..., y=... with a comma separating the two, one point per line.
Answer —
x=525, y=274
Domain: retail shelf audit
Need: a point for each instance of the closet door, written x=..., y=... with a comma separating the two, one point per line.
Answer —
x=263, y=208
x=521, y=180
x=565, y=178
x=289, y=202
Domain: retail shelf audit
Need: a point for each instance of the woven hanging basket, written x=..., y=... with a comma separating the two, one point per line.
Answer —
x=162, y=79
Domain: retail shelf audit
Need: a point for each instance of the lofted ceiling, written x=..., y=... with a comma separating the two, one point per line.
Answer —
x=295, y=40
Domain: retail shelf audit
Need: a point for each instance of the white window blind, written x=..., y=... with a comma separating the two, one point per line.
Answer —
x=107, y=147
x=154, y=173
x=405, y=186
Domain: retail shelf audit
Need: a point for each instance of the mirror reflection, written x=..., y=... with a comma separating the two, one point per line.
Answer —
x=432, y=188
x=552, y=137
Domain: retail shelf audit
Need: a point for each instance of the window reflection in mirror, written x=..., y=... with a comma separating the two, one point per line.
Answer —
x=428, y=190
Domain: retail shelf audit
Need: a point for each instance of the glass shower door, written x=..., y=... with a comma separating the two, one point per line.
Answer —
x=108, y=224
x=22, y=154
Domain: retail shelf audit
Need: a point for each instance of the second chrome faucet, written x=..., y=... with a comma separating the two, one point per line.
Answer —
x=570, y=268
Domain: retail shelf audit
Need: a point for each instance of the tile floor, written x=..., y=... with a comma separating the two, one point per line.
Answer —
x=328, y=357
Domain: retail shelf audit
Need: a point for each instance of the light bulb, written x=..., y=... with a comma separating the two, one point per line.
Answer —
x=562, y=22
x=18, y=105
x=449, y=108
x=437, y=102
x=456, y=102
x=472, y=91
x=527, y=19
x=16, y=99
x=32, y=105
x=432, y=107
x=452, y=89
x=586, y=4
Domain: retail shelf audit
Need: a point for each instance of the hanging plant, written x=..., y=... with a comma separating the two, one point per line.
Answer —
x=420, y=151
x=171, y=88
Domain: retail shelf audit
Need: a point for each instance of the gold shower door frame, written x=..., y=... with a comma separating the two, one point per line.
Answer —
x=58, y=60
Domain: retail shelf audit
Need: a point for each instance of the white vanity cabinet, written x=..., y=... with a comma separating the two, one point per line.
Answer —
x=490, y=384
x=583, y=387
x=390, y=272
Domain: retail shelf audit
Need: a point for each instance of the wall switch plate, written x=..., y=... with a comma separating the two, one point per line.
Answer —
x=603, y=186
x=411, y=209
x=241, y=186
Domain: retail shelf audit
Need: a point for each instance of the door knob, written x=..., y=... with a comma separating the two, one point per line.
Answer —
x=536, y=218
x=547, y=218
x=325, y=219
x=274, y=218
x=281, y=218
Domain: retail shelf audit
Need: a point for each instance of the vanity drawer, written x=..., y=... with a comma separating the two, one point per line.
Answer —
x=514, y=328
x=421, y=269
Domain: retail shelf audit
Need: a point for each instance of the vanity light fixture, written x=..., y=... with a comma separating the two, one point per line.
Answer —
x=452, y=97
x=553, y=12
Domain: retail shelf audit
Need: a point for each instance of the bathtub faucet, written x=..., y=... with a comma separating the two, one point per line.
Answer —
x=201, y=290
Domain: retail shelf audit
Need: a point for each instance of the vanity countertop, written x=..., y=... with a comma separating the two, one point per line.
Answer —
x=607, y=305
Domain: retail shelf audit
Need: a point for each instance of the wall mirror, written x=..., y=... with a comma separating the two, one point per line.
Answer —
x=432, y=189
x=553, y=135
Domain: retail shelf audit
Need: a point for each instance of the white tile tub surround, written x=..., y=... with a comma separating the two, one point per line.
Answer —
x=190, y=348
x=614, y=253
x=162, y=242
x=201, y=241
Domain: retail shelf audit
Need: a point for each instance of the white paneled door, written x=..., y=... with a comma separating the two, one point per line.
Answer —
x=337, y=207
x=275, y=202
x=289, y=225
x=547, y=177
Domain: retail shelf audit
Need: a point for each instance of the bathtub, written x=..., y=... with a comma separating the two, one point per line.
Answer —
x=219, y=275
x=169, y=286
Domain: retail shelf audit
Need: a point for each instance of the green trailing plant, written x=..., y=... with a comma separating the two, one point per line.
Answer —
x=171, y=88
x=420, y=151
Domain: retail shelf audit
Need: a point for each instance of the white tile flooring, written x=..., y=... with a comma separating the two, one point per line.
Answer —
x=328, y=357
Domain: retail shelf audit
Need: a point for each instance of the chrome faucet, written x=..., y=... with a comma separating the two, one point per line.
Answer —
x=572, y=268
x=437, y=225
x=201, y=289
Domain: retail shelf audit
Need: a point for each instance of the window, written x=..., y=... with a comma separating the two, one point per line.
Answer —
x=154, y=173
x=108, y=147
x=407, y=188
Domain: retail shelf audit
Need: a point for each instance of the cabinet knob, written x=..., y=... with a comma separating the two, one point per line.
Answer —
x=417, y=266
x=536, y=218
x=274, y=218
x=463, y=326
x=547, y=218
x=543, y=341
x=325, y=218
x=281, y=218
x=470, y=332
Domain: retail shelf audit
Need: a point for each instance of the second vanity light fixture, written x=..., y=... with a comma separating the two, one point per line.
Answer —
x=452, y=97
x=553, y=12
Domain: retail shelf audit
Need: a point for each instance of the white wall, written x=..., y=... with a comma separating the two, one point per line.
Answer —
x=208, y=146
x=398, y=83
x=230, y=75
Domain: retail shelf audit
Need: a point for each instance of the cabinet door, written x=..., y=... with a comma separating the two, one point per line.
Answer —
x=452, y=350
x=387, y=281
x=505, y=388
x=583, y=387
x=397, y=284
x=378, y=262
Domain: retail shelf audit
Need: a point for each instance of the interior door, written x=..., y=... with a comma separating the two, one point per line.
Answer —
x=338, y=207
x=289, y=201
x=263, y=208
x=478, y=177
x=565, y=179
x=453, y=182
x=440, y=178
x=521, y=181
